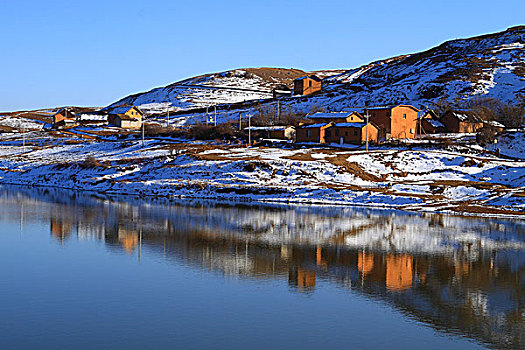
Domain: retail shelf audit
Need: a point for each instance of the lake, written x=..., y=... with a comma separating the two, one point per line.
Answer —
x=86, y=271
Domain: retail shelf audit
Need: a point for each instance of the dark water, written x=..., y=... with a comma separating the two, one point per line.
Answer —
x=84, y=272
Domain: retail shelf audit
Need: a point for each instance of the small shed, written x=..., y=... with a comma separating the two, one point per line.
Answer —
x=280, y=132
x=461, y=121
x=307, y=85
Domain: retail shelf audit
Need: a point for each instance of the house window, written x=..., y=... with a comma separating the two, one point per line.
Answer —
x=404, y=116
x=328, y=133
x=336, y=132
x=310, y=83
x=308, y=133
x=355, y=132
x=346, y=133
x=411, y=131
x=388, y=113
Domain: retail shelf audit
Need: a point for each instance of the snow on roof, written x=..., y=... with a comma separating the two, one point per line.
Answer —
x=267, y=128
x=495, y=124
x=466, y=116
x=318, y=125
x=334, y=115
x=435, y=123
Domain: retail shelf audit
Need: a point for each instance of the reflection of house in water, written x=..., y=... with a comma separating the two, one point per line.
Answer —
x=365, y=262
x=302, y=279
x=60, y=229
x=398, y=272
x=460, y=275
x=128, y=239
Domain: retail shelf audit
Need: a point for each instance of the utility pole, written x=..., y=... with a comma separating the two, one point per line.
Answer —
x=168, y=123
x=207, y=116
x=143, y=133
x=278, y=111
x=240, y=121
x=249, y=128
x=215, y=115
x=366, y=126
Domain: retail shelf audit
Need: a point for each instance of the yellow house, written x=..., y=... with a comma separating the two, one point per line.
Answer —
x=127, y=117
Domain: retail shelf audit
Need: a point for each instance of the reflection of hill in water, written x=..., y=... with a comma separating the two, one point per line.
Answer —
x=462, y=275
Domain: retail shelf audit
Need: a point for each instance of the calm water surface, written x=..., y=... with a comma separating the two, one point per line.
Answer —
x=84, y=272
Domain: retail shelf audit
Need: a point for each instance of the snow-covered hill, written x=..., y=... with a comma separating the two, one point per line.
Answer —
x=490, y=65
x=217, y=88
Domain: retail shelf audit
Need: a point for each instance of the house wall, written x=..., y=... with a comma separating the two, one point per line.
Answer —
x=468, y=127
x=381, y=118
x=134, y=113
x=58, y=118
x=391, y=122
x=129, y=124
x=317, y=135
x=451, y=123
x=403, y=127
x=333, y=134
x=306, y=86
x=373, y=134
x=276, y=134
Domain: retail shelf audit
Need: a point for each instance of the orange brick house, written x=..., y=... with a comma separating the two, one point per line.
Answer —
x=351, y=133
x=129, y=117
x=398, y=122
x=63, y=117
x=307, y=85
x=461, y=121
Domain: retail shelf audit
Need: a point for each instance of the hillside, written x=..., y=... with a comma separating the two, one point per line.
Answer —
x=217, y=88
x=490, y=65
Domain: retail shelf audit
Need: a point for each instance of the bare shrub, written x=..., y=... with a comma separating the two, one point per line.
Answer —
x=225, y=131
x=485, y=136
x=91, y=162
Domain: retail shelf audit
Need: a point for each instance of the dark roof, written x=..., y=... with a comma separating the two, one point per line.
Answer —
x=122, y=109
x=313, y=77
x=63, y=111
x=464, y=116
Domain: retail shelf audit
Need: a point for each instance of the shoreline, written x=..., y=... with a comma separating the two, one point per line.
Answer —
x=456, y=181
x=269, y=202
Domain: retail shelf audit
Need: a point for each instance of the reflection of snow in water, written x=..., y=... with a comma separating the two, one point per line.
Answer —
x=382, y=230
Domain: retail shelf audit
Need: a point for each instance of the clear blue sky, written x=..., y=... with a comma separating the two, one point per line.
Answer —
x=94, y=52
